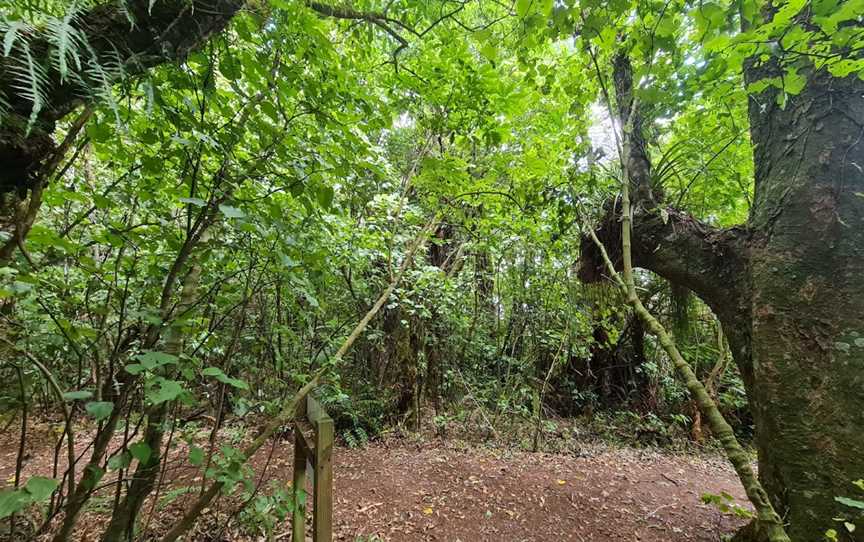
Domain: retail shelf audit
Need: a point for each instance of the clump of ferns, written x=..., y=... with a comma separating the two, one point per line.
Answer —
x=55, y=50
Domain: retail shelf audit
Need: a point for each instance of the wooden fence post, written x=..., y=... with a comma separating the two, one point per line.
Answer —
x=323, y=482
x=298, y=520
x=319, y=453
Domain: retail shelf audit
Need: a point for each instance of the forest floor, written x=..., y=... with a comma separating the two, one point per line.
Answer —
x=445, y=490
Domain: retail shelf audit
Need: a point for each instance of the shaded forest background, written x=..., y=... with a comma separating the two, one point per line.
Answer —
x=209, y=229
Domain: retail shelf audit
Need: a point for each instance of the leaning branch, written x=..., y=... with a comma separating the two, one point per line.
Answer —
x=290, y=408
x=768, y=521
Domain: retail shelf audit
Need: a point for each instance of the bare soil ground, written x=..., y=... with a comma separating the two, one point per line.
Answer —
x=399, y=490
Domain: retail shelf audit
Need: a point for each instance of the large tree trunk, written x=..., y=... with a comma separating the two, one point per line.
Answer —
x=788, y=290
x=807, y=280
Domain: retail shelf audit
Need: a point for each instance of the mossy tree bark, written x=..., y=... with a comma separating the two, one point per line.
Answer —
x=160, y=32
x=806, y=278
x=787, y=288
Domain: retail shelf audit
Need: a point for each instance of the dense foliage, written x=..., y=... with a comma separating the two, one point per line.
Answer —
x=220, y=223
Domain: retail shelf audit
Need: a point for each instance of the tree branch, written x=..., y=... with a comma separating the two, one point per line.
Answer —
x=143, y=35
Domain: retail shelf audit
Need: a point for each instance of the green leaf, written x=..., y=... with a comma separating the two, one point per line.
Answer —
x=120, y=461
x=77, y=395
x=852, y=503
x=40, y=488
x=12, y=502
x=141, y=451
x=793, y=82
x=198, y=202
x=135, y=368
x=168, y=391
x=196, y=456
x=523, y=7
x=99, y=409
x=231, y=212
x=217, y=373
x=325, y=197
x=151, y=360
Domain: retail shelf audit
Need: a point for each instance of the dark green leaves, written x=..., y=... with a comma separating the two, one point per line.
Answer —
x=217, y=373
x=77, y=395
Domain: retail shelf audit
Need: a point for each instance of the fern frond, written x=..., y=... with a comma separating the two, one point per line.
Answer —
x=5, y=106
x=103, y=73
x=11, y=32
x=30, y=80
x=67, y=40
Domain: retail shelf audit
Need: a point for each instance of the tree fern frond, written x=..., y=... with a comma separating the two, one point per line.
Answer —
x=66, y=39
x=103, y=73
x=124, y=9
x=11, y=31
x=5, y=106
x=30, y=80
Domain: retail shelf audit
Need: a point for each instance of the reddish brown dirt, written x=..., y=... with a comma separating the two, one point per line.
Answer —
x=442, y=491
x=436, y=492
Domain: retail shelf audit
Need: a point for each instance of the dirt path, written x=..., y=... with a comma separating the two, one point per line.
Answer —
x=437, y=491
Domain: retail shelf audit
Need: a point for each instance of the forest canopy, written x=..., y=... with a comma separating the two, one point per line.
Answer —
x=202, y=198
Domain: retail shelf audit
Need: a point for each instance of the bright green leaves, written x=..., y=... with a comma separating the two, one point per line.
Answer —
x=830, y=14
x=150, y=361
x=219, y=375
x=164, y=390
x=141, y=451
x=845, y=67
x=231, y=212
x=793, y=81
x=787, y=10
x=524, y=8
x=99, y=410
x=37, y=489
x=713, y=18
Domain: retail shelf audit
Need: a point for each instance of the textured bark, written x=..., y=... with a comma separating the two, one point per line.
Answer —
x=807, y=280
x=160, y=32
x=787, y=289
x=768, y=521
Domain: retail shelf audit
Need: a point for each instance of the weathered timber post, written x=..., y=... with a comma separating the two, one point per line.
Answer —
x=313, y=420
